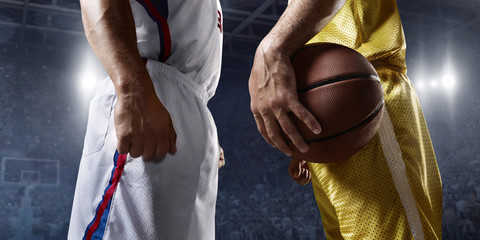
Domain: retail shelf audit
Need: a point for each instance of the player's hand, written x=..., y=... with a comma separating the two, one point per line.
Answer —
x=143, y=126
x=273, y=93
x=299, y=171
x=221, y=160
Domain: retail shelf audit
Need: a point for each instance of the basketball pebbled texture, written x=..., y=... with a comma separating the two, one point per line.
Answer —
x=343, y=91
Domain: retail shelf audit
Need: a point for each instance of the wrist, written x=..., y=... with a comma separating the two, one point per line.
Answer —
x=134, y=86
x=273, y=44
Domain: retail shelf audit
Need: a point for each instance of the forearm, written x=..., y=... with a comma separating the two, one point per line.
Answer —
x=272, y=83
x=110, y=30
x=301, y=20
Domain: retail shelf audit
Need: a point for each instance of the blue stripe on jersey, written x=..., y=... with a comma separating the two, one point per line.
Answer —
x=162, y=7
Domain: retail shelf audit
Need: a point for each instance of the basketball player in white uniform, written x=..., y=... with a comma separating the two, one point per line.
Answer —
x=149, y=164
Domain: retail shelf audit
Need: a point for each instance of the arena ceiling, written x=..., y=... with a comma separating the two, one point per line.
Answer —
x=40, y=30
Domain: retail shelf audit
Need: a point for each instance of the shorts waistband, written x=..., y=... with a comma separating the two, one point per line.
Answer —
x=170, y=73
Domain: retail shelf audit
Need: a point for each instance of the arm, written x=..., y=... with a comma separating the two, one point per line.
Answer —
x=272, y=80
x=143, y=125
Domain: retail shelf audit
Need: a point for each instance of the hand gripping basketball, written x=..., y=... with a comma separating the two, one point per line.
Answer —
x=343, y=91
x=273, y=95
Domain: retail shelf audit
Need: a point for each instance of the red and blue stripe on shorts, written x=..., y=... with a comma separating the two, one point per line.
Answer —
x=96, y=228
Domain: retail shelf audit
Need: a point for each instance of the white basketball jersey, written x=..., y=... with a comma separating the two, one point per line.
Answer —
x=185, y=34
x=120, y=197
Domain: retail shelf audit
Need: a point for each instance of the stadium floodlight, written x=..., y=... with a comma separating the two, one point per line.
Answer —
x=448, y=81
x=420, y=85
x=88, y=76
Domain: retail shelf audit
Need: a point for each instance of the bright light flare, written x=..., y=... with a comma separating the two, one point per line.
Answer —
x=88, y=76
x=434, y=83
x=448, y=81
x=88, y=80
x=421, y=85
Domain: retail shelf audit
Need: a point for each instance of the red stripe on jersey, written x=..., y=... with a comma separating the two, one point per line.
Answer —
x=165, y=28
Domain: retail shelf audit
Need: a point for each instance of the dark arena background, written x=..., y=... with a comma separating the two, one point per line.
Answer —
x=48, y=75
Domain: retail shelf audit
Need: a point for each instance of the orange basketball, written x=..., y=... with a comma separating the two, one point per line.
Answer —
x=343, y=91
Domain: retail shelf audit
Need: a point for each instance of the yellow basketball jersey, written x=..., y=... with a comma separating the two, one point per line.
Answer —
x=391, y=189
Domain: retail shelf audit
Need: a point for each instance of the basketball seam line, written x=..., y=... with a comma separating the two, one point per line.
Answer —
x=338, y=79
x=372, y=114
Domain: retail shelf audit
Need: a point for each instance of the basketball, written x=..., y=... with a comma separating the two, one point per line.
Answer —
x=343, y=91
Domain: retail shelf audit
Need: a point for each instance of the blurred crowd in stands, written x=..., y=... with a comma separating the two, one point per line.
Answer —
x=461, y=201
x=256, y=199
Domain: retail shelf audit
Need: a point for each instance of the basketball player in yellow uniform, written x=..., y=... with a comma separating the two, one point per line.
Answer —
x=391, y=189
